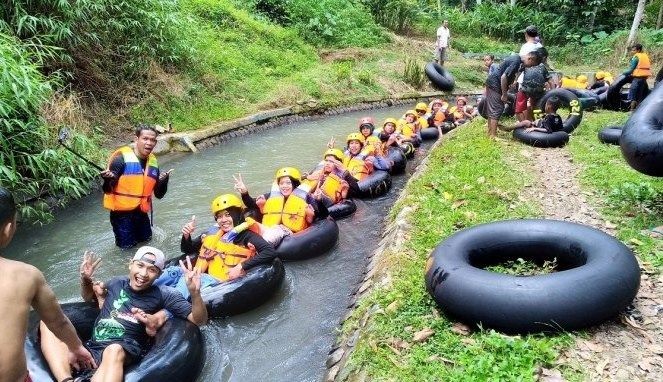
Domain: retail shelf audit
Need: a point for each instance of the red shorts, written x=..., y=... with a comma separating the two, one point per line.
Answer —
x=521, y=102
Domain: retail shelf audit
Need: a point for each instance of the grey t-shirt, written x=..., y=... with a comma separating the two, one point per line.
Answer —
x=510, y=67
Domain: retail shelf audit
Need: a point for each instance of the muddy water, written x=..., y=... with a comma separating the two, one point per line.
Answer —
x=286, y=339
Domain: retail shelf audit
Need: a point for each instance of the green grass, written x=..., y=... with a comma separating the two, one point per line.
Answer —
x=629, y=199
x=470, y=180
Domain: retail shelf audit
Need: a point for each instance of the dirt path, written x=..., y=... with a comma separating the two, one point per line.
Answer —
x=628, y=348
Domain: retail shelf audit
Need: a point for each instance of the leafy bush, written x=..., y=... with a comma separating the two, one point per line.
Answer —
x=397, y=15
x=30, y=164
x=638, y=197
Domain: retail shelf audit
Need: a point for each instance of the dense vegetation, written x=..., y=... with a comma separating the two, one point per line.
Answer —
x=100, y=66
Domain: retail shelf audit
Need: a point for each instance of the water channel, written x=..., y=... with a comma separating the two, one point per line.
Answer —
x=286, y=339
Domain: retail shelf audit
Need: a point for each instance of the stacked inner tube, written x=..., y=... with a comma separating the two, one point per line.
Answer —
x=314, y=241
x=541, y=139
x=597, y=276
x=569, y=100
x=375, y=184
x=641, y=141
x=610, y=135
x=429, y=133
x=588, y=99
x=612, y=98
x=342, y=209
x=397, y=156
x=176, y=355
x=439, y=77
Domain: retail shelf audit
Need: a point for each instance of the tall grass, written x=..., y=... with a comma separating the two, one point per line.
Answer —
x=30, y=164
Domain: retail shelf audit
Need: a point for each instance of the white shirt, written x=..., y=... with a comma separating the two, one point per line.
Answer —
x=529, y=47
x=443, y=35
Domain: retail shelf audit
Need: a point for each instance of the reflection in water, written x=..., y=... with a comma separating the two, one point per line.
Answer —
x=286, y=339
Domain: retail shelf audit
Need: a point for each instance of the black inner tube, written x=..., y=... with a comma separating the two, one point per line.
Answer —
x=569, y=100
x=439, y=77
x=597, y=276
x=641, y=141
x=541, y=139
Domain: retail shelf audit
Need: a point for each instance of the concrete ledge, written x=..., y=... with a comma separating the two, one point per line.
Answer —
x=191, y=141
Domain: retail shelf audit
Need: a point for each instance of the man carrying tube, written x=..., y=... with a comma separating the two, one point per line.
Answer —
x=130, y=180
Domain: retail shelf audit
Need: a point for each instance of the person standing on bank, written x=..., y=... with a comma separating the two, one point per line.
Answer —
x=130, y=180
x=640, y=70
x=443, y=42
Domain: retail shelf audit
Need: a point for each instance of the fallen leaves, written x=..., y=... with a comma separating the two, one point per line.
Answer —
x=423, y=335
x=549, y=375
x=460, y=328
x=458, y=203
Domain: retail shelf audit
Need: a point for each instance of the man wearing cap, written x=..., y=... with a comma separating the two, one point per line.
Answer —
x=119, y=335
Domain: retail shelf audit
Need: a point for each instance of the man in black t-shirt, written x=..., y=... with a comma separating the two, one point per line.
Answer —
x=119, y=334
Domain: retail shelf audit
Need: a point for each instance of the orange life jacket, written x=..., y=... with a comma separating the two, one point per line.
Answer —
x=217, y=257
x=644, y=66
x=135, y=186
x=356, y=164
x=290, y=212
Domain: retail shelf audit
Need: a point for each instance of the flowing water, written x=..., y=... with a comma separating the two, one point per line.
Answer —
x=288, y=338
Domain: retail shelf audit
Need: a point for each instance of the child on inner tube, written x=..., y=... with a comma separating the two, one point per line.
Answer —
x=549, y=123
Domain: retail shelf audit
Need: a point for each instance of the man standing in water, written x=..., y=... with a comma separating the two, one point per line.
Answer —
x=443, y=42
x=23, y=286
x=129, y=181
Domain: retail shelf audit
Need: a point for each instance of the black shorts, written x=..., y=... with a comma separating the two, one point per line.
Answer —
x=132, y=350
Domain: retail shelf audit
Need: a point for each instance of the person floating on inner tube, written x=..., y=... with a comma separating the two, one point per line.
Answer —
x=462, y=112
x=361, y=160
x=409, y=128
x=331, y=180
x=422, y=114
x=367, y=129
x=639, y=70
x=288, y=202
x=228, y=249
x=437, y=116
x=119, y=337
x=390, y=138
x=129, y=181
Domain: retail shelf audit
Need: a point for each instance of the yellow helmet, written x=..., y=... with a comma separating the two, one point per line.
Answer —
x=336, y=153
x=390, y=120
x=355, y=137
x=600, y=75
x=290, y=172
x=421, y=106
x=581, y=78
x=225, y=201
x=414, y=113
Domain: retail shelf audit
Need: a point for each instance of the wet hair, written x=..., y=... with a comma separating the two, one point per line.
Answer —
x=531, y=31
x=7, y=206
x=537, y=56
x=144, y=126
x=543, y=53
x=554, y=102
x=637, y=47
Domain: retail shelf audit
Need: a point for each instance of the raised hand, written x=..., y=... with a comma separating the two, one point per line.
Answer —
x=89, y=265
x=239, y=184
x=331, y=143
x=107, y=174
x=189, y=227
x=166, y=174
x=191, y=276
